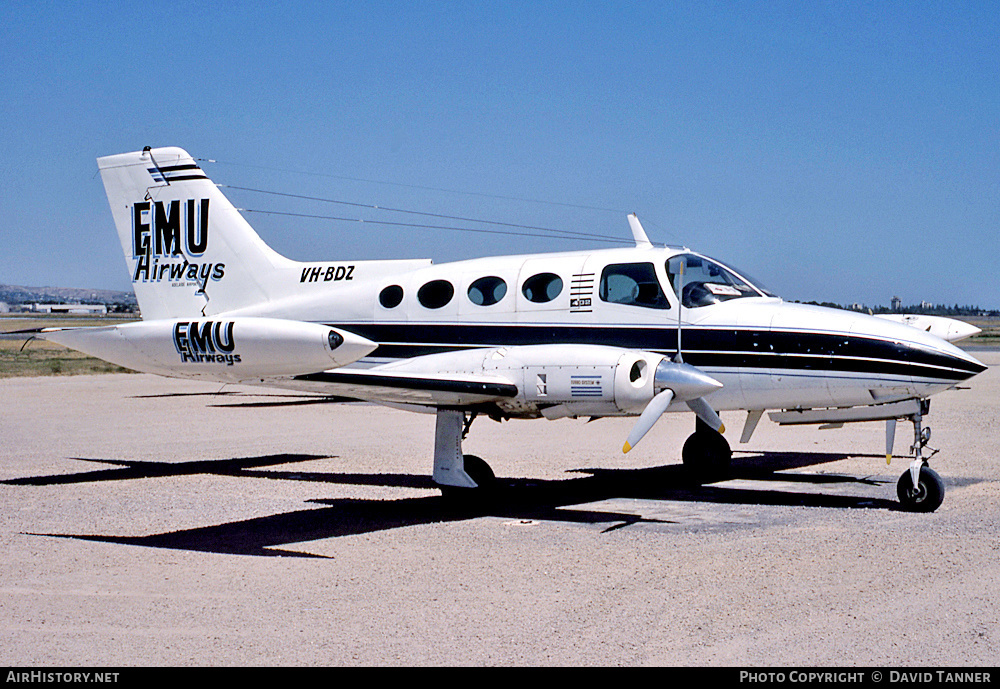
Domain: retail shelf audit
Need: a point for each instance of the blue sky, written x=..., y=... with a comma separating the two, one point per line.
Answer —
x=843, y=151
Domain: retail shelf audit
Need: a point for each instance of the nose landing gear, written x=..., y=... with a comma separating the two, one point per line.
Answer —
x=920, y=489
x=926, y=495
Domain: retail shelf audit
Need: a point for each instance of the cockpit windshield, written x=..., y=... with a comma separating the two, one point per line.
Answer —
x=701, y=281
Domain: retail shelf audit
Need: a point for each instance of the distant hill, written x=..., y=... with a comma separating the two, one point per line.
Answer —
x=18, y=294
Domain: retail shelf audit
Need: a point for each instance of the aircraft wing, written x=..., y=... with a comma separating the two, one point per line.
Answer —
x=437, y=390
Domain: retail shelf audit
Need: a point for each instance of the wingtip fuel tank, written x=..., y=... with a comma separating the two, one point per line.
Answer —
x=230, y=349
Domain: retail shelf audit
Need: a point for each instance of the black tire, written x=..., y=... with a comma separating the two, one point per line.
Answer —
x=707, y=457
x=928, y=494
x=480, y=472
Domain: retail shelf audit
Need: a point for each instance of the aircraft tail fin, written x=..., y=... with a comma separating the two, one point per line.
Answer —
x=189, y=251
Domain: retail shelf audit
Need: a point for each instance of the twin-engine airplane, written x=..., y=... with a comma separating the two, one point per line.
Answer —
x=634, y=331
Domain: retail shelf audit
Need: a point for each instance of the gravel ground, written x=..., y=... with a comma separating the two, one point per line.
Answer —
x=150, y=522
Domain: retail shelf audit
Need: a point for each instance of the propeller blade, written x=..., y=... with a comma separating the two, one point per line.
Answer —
x=649, y=415
x=890, y=438
x=705, y=412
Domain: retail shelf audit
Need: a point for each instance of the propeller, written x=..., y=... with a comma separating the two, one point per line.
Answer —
x=685, y=383
x=890, y=437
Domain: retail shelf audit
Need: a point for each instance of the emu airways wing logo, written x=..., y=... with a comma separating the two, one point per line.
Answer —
x=208, y=342
x=166, y=236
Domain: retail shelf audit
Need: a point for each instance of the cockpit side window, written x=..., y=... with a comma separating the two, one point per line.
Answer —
x=704, y=281
x=634, y=284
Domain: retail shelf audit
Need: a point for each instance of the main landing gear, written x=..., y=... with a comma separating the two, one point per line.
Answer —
x=920, y=489
x=458, y=475
x=706, y=455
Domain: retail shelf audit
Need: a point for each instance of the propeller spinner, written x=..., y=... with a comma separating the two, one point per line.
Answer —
x=677, y=381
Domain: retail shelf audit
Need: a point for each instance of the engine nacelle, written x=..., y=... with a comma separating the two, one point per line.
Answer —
x=582, y=380
x=223, y=349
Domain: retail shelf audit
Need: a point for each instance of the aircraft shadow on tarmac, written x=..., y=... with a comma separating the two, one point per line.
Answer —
x=522, y=499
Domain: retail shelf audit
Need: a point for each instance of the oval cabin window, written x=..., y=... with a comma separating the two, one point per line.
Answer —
x=542, y=287
x=391, y=296
x=435, y=294
x=487, y=291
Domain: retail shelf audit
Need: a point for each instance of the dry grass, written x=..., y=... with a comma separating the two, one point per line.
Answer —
x=21, y=356
x=991, y=331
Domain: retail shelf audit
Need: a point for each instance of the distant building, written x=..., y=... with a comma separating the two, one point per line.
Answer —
x=91, y=309
x=897, y=304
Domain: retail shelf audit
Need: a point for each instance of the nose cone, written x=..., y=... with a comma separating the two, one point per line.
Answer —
x=868, y=345
x=930, y=356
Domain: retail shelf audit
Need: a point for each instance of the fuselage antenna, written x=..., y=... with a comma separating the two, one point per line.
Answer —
x=680, y=297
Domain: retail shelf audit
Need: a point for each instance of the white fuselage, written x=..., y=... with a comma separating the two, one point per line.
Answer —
x=768, y=354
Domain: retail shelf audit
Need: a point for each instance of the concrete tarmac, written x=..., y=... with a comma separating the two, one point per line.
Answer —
x=152, y=522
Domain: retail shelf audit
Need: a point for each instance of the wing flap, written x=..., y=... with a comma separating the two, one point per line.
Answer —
x=434, y=389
